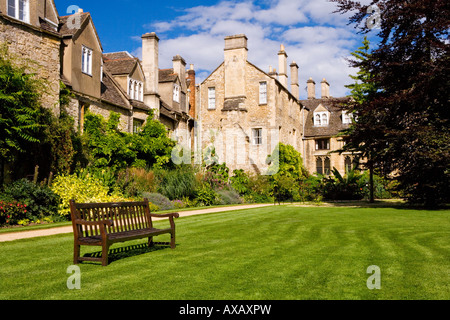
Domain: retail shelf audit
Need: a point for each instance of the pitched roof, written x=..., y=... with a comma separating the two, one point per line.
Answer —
x=335, y=124
x=167, y=75
x=112, y=93
x=68, y=30
x=120, y=66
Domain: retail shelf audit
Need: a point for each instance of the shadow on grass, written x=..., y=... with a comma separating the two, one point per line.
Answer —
x=116, y=254
x=393, y=204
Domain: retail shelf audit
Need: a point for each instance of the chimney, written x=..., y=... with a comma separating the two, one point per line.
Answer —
x=273, y=73
x=311, y=89
x=236, y=54
x=325, y=89
x=150, y=64
x=282, y=65
x=179, y=67
x=295, y=89
x=191, y=89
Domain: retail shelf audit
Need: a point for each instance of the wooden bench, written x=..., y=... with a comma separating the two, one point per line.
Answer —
x=103, y=224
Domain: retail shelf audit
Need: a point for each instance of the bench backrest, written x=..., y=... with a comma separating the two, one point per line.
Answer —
x=126, y=216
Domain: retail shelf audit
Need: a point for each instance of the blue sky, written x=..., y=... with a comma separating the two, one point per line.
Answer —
x=314, y=37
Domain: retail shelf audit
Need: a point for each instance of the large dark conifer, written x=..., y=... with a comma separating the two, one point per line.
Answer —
x=411, y=67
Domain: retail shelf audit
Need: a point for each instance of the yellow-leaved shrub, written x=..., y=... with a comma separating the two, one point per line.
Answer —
x=82, y=190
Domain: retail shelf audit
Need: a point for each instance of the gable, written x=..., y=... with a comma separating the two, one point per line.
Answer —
x=321, y=108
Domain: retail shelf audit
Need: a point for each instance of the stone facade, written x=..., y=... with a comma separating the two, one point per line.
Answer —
x=41, y=48
x=245, y=112
x=323, y=122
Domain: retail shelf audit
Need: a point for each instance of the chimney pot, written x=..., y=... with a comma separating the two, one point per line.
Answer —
x=325, y=89
x=282, y=61
x=311, y=89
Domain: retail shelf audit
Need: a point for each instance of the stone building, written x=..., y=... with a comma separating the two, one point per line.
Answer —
x=244, y=112
x=323, y=122
x=84, y=73
x=29, y=28
x=170, y=92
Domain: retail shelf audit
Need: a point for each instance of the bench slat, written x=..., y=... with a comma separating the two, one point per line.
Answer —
x=130, y=221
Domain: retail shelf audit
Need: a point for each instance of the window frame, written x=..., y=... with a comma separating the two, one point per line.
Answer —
x=211, y=98
x=176, y=92
x=347, y=118
x=323, y=166
x=86, y=60
x=135, y=89
x=257, y=136
x=320, y=144
x=321, y=119
x=25, y=10
x=263, y=93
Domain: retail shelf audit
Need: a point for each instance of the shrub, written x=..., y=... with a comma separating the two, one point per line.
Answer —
x=159, y=200
x=253, y=188
x=81, y=189
x=40, y=200
x=310, y=189
x=134, y=181
x=179, y=204
x=206, y=196
x=11, y=212
x=229, y=197
x=348, y=187
x=177, y=184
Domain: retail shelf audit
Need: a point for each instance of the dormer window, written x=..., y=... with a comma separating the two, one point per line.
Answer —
x=321, y=119
x=135, y=90
x=176, y=93
x=86, y=61
x=19, y=9
x=346, y=117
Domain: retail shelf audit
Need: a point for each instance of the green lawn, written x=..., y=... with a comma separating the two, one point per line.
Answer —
x=282, y=252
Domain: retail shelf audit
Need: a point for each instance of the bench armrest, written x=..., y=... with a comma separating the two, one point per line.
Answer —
x=108, y=223
x=167, y=215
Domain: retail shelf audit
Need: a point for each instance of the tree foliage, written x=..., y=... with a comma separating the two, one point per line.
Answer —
x=109, y=147
x=406, y=121
x=19, y=107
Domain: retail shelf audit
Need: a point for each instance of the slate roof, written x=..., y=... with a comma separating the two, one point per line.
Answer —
x=66, y=29
x=120, y=62
x=112, y=93
x=167, y=75
x=335, y=124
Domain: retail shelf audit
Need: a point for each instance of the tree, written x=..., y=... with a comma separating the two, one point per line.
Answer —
x=364, y=133
x=19, y=109
x=109, y=147
x=411, y=67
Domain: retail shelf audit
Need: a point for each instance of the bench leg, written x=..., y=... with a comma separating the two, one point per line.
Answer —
x=150, y=242
x=172, y=240
x=76, y=254
x=105, y=250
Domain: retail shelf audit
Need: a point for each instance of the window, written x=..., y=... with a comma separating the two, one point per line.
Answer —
x=323, y=166
x=323, y=144
x=19, y=9
x=211, y=98
x=327, y=166
x=346, y=117
x=348, y=164
x=263, y=92
x=321, y=119
x=136, y=89
x=319, y=166
x=176, y=93
x=137, y=125
x=86, y=61
x=257, y=137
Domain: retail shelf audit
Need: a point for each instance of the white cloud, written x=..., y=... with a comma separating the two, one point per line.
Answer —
x=315, y=38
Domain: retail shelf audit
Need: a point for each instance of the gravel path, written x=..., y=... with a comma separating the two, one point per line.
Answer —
x=4, y=237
